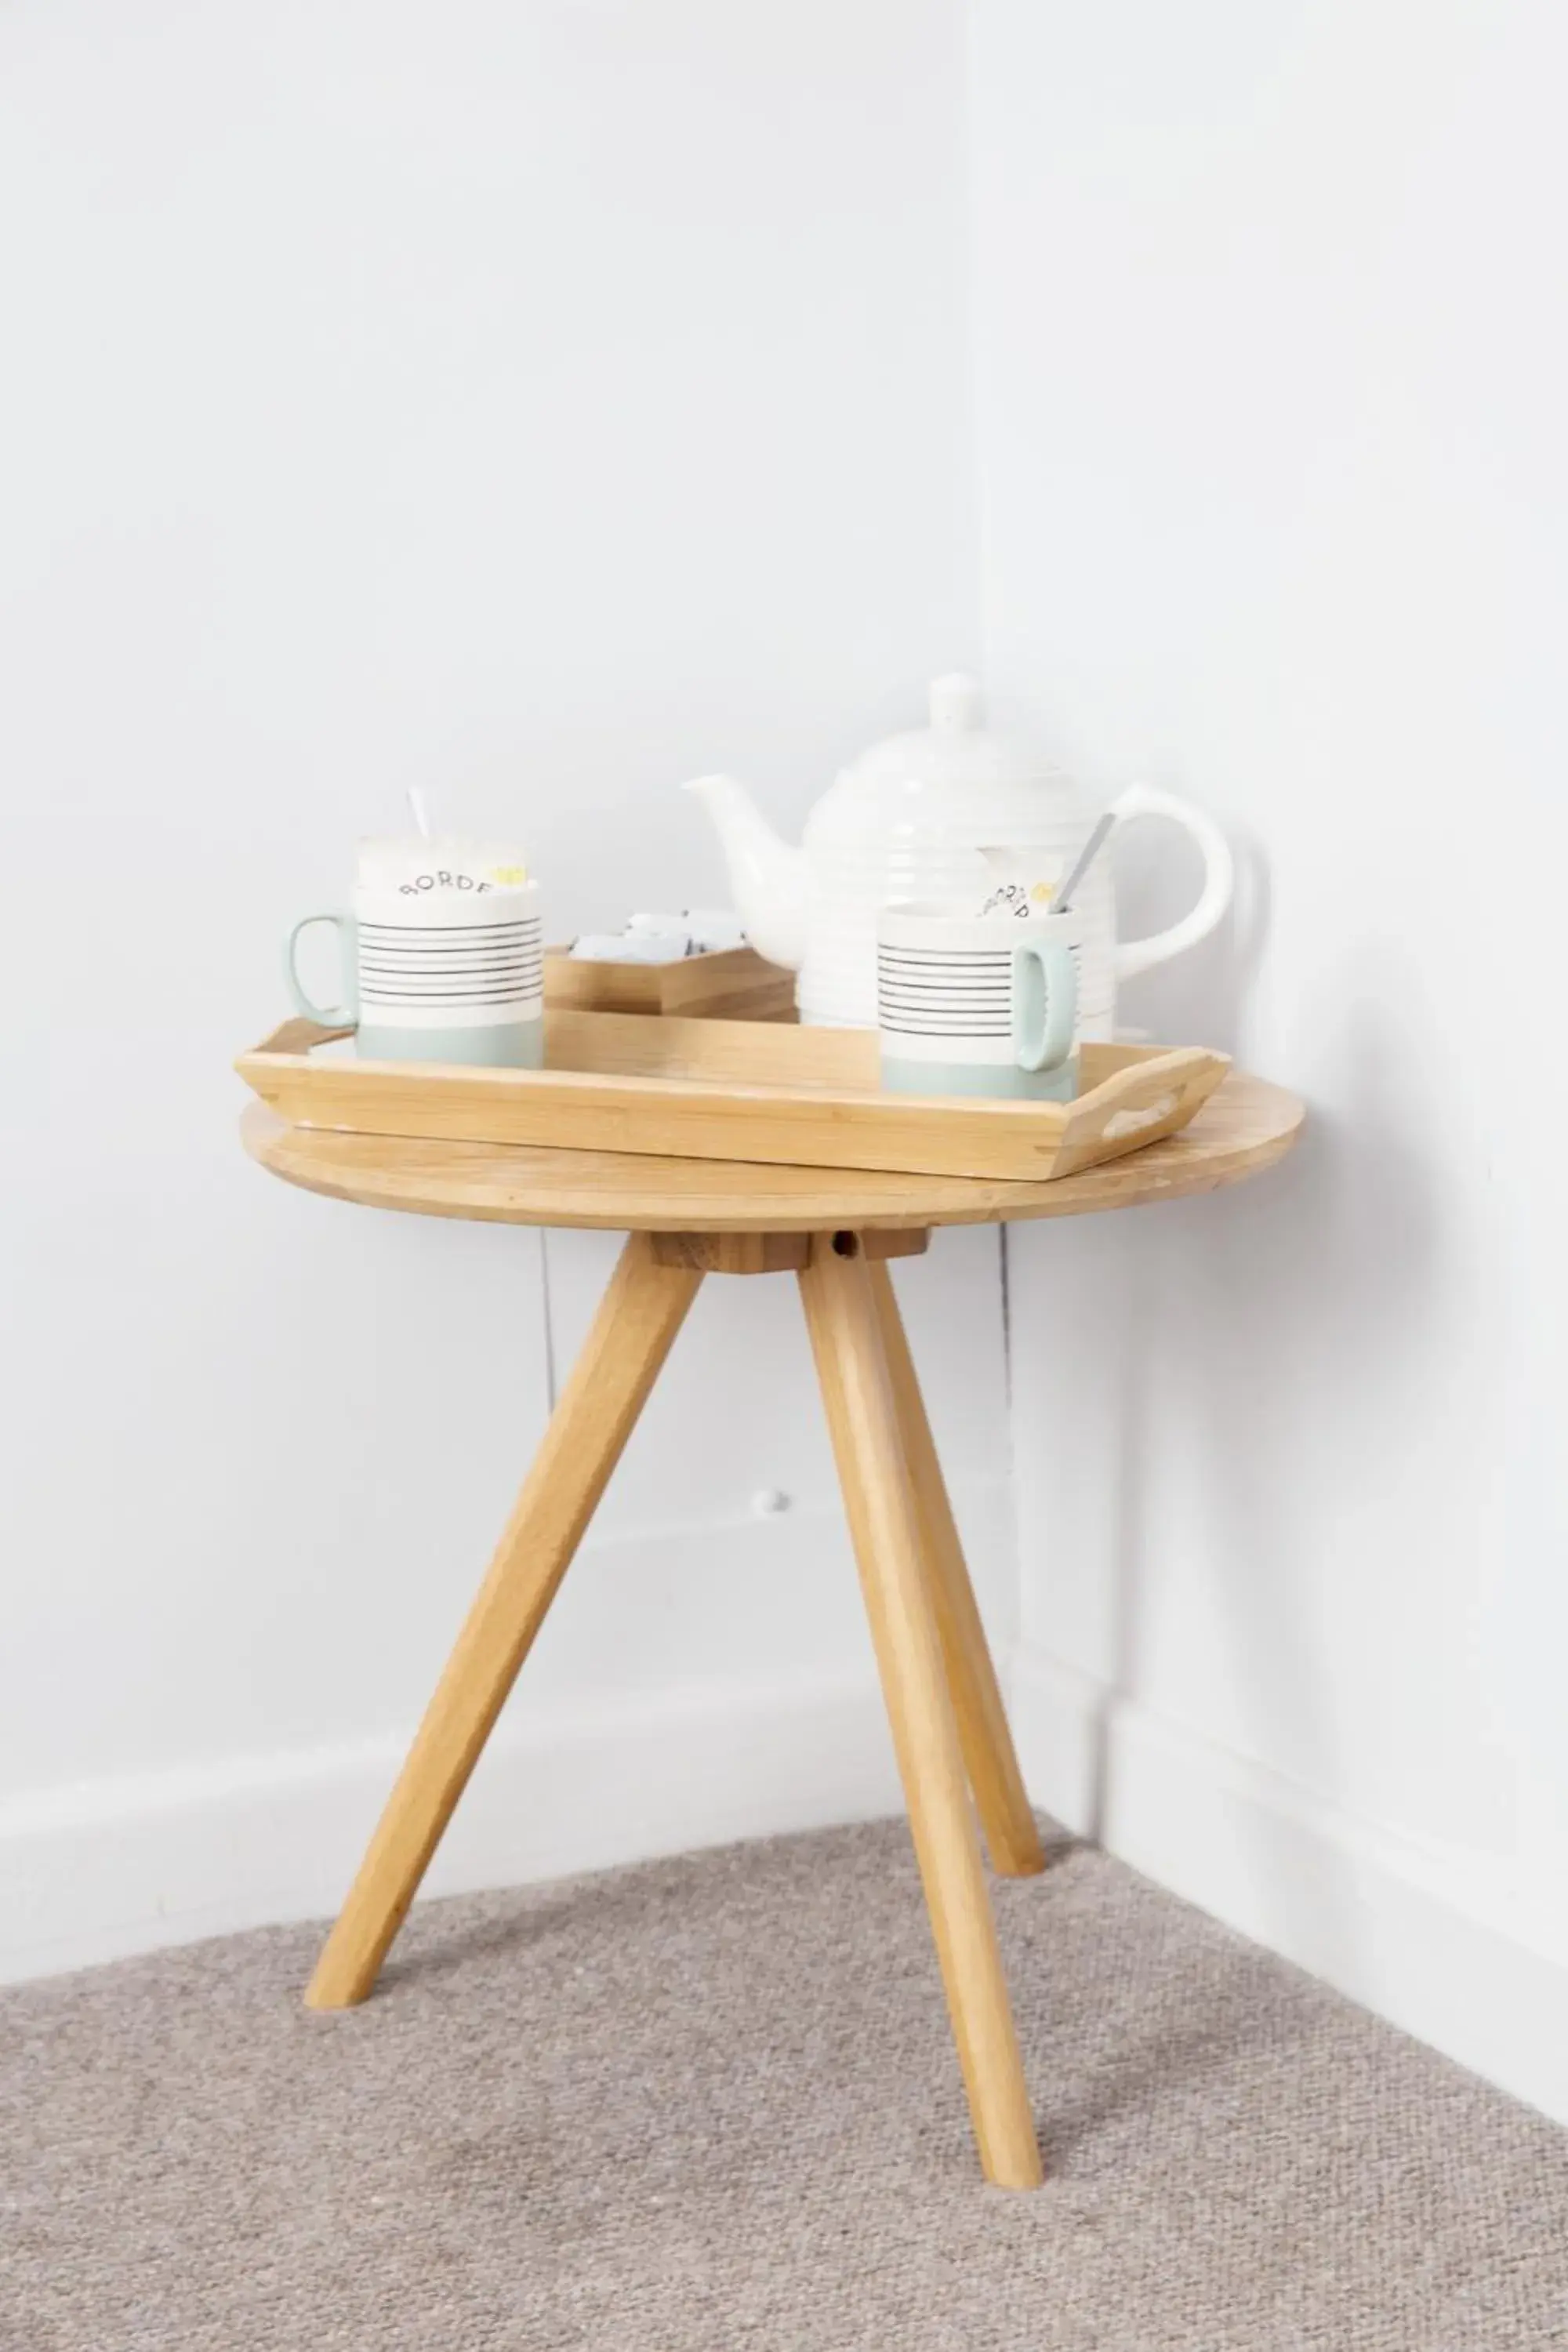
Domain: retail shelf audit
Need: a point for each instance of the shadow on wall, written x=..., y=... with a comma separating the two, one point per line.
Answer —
x=1225, y=1371
x=1200, y=998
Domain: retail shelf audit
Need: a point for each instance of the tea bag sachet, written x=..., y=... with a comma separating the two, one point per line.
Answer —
x=1022, y=891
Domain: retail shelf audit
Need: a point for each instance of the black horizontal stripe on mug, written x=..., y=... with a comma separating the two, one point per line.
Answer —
x=949, y=1010
x=926, y=983
x=458, y=968
x=465, y=949
x=500, y=983
x=452, y=930
x=947, y=975
x=965, y=988
x=998, y=1004
x=1000, y=1011
x=434, y=952
x=449, y=942
x=437, y=997
x=505, y=952
x=958, y=1037
x=375, y=953
x=503, y=934
x=988, y=962
x=937, y=957
x=516, y=981
x=372, y=952
x=460, y=958
x=946, y=1024
x=513, y=991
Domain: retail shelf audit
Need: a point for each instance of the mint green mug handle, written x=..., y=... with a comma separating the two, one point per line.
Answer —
x=1045, y=1004
x=342, y=1016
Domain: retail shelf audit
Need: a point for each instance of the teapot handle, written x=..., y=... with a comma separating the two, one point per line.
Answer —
x=1131, y=956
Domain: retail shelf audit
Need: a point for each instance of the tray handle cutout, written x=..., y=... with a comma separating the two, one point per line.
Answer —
x=1138, y=1106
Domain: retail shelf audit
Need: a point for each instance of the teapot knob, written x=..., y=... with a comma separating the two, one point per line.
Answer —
x=954, y=703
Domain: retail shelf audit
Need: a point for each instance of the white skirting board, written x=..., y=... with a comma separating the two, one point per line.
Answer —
x=1347, y=1902
x=93, y=1873
x=746, y=1705
x=109, y=1868
x=696, y=1684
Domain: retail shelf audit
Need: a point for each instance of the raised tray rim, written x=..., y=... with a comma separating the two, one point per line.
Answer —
x=1153, y=1090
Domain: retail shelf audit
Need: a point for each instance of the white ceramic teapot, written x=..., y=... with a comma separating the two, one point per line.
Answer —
x=913, y=818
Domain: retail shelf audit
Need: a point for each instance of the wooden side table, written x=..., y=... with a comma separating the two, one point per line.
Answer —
x=833, y=1229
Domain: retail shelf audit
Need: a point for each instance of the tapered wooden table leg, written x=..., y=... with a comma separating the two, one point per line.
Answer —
x=642, y=1311
x=988, y=1751
x=862, y=1413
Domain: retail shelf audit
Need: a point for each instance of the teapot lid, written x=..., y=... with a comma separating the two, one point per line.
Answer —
x=956, y=749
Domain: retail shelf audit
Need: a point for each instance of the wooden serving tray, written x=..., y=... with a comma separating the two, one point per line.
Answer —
x=747, y=1090
x=726, y=983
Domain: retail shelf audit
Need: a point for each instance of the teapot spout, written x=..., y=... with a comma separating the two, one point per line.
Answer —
x=767, y=878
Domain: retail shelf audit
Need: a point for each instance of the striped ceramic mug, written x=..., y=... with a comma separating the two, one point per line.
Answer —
x=979, y=1004
x=438, y=978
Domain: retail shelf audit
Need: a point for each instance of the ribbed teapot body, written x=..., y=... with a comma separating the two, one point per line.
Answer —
x=873, y=844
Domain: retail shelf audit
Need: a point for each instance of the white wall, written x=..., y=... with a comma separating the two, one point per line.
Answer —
x=1273, y=375
x=539, y=404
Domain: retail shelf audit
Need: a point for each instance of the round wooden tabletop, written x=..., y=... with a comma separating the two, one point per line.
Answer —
x=1245, y=1125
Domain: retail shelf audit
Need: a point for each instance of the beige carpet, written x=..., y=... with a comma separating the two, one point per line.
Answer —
x=710, y=2103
